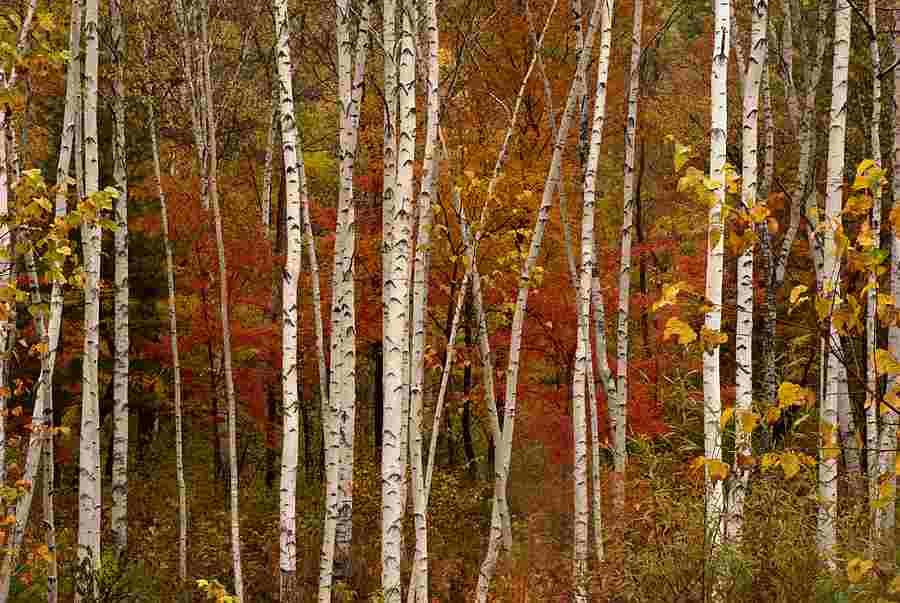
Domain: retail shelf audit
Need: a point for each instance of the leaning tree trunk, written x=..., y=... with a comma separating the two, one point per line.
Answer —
x=828, y=445
x=550, y=186
x=583, y=357
x=619, y=414
x=120, y=371
x=744, y=336
x=89, y=450
x=44, y=402
x=715, y=259
x=292, y=159
x=233, y=484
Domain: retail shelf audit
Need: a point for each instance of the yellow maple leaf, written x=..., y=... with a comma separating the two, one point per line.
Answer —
x=717, y=470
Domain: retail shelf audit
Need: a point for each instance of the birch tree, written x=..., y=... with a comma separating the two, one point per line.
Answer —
x=888, y=444
x=872, y=378
x=619, y=417
x=120, y=372
x=224, y=314
x=583, y=360
x=712, y=393
x=551, y=185
x=745, y=291
x=43, y=406
x=400, y=202
x=292, y=159
x=828, y=446
x=89, y=449
x=418, y=591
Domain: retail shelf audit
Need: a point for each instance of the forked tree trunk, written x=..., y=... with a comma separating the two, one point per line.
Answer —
x=583, y=358
x=418, y=590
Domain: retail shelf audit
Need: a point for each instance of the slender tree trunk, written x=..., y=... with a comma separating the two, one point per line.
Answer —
x=828, y=445
x=89, y=450
x=740, y=475
x=292, y=159
x=712, y=394
x=176, y=365
x=888, y=445
x=418, y=591
x=873, y=401
x=266, y=206
x=583, y=360
x=120, y=374
x=44, y=402
x=551, y=185
x=620, y=408
x=234, y=484
x=399, y=201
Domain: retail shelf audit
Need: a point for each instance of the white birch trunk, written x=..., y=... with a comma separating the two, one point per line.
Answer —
x=712, y=393
x=176, y=365
x=740, y=474
x=89, y=450
x=292, y=160
x=398, y=232
x=872, y=378
x=44, y=402
x=583, y=358
x=619, y=409
x=418, y=591
x=888, y=445
x=550, y=187
x=828, y=494
x=212, y=164
x=120, y=373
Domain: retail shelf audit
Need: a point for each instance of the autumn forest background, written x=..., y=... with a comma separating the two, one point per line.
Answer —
x=516, y=300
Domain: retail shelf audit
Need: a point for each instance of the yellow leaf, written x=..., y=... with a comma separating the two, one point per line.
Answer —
x=791, y=394
x=759, y=213
x=748, y=420
x=43, y=552
x=711, y=338
x=726, y=416
x=679, y=328
x=768, y=461
x=790, y=463
x=858, y=568
x=772, y=415
x=885, y=363
x=796, y=292
x=717, y=470
x=669, y=295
